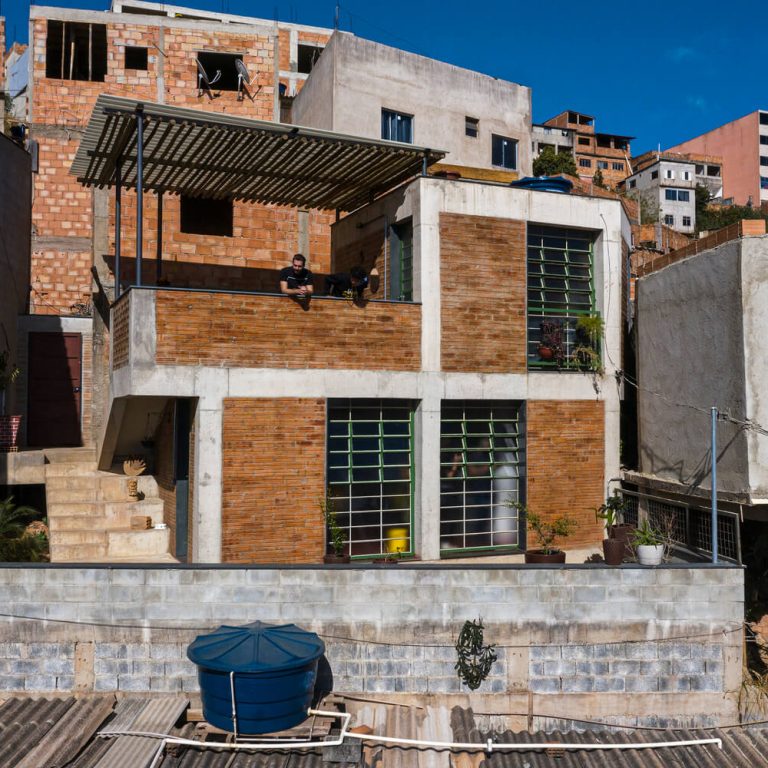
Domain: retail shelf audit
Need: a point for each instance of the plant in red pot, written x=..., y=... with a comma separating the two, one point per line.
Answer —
x=9, y=424
x=546, y=532
x=616, y=545
x=551, y=344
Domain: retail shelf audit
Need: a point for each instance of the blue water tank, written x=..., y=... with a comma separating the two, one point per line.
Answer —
x=545, y=184
x=275, y=668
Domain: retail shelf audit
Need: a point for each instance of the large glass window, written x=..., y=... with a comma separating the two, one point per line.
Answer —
x=396, y=126
x=482, y=464
x=503, y=152
x=561, y=299
x=370, y=473
x=680, y=195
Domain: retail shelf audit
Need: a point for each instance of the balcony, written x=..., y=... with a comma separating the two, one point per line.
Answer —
x=225, y=329
x=558, y=342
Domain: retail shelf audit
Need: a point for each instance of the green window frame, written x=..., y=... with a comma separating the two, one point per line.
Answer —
x=482, y=466
x=402, y=261
x=561, y=290
x=370, y=473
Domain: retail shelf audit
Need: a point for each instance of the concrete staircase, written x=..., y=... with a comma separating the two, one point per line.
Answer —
x=89, y=512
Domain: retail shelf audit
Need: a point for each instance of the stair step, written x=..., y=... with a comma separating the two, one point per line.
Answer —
x=70, y=496
x=71, y=483
x=81, y=553
x=58, y=509
x=67, y=455
x=128, y=543
x=115, y=487
x=71, y=469
x=80, y=537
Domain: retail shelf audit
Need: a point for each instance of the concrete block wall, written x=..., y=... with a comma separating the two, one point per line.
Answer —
x=628, y=644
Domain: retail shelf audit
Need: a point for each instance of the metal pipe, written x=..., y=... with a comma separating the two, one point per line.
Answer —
x=139, y=187
x=159, y=258
x=118, y=207
x=714, y=484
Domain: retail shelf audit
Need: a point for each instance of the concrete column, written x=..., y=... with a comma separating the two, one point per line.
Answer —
x=426, y=245
x=303, y=235
x=428, y=468
x=206, y=518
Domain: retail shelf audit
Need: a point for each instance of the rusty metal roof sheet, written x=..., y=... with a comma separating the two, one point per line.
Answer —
x=215, y=155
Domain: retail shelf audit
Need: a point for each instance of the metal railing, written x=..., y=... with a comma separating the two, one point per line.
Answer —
x=686, y=527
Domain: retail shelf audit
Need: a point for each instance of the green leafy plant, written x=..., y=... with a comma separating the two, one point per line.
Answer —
x=546, y=531
x=646, y=535
x=612, y=511
x=475, y=659
x=589, y=336
x=551, y=163
x=16, y=545
x=9, y=372
x=337, y=537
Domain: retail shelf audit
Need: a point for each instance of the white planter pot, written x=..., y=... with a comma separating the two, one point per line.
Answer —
x=650, y=554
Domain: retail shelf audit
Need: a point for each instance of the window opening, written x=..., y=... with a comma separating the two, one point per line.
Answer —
x=471, y=126
x=370, y=473
x=603, y=141
x=307, y=57
x=669, y=220
x=135, y=57
x=401, y=249
x=560, y=293
x=396, y=126
x=585, y=163
x=482, y=467
x=201, y=216
x=503, y=152
x=584, y=140
x=618, y=166
x=215, y=63
x=76, y=51
x=686, y=221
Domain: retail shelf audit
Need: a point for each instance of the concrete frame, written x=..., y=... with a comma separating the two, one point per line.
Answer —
x=424, y=200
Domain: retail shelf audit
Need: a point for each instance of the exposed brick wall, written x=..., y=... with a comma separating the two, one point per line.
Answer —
x=566, y=464
x=367, y=252
x=60, y=278
x=278, y=332
x=274, y=470
x=483, y=290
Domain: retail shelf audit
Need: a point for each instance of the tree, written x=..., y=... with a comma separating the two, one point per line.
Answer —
x=649, y=207
x=551, y=163
x=720, y=216
x=597, y=179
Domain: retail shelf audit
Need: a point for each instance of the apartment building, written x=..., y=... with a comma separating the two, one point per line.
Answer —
x=608, y=153
x=561, y=140
x=667, y=185
x=743, y=146
x=367, y=89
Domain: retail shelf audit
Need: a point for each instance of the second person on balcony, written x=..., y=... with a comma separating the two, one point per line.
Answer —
x=296, y=280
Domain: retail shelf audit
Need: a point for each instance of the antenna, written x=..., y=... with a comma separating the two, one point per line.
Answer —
x=243, y=80
x=204, y=82
x=336, y=16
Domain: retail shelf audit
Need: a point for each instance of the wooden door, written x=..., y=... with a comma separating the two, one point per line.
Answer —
x=54, y=390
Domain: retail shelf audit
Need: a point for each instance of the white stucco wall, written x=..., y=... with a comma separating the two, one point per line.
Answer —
x=369, y=77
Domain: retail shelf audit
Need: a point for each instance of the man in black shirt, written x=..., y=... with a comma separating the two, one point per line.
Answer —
x=353, y=282
x=296, y=280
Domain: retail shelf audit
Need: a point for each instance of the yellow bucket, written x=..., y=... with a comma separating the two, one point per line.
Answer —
x=397, y=540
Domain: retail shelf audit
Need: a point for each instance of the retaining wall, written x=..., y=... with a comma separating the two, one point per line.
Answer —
x=654, y=646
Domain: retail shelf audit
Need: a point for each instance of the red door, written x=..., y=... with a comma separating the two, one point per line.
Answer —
x=54, y=403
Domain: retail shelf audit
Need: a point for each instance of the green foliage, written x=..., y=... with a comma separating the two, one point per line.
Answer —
x=597, y=179
x=589, y=335
x=649, y=208
x=15, y=545
x=8, y=371
x=336, y=535
x=720, y=216
x=551, y=163
x=612, y=510
x=647, y=535
x=546, y=530
x=474, y=659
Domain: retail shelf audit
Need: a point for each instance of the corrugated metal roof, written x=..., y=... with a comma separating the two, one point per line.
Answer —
x=215, y=155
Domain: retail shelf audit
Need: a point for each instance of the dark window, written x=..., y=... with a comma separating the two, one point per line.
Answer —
x=654, y=174
x=402, y=261
x=713, y=170
x=308, y=55
x=669, y=220
x=618, y=166
x=396, y=126
x=699, y=170
x=76, y=51
x=471, y=126
x=224, y=63
x=603, y=141
x=135, y=57
x=681, y=195
x=620, y=144
x=764, y=139
x=584, y=140
x=763, y=182
x=503, y=152
x=764, y=118
x=201, y=216
x=584, y=163
x=686, y=221
x=370, y=473
x=602, y=164
x=632, y=184
x=482, y=467
x=763, y=160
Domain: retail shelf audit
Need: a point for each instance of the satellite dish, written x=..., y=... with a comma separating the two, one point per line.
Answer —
x=203, y=81
x=242, y=77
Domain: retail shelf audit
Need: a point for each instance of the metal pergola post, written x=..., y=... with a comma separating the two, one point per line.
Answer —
x=139, y=188
x=118, y=206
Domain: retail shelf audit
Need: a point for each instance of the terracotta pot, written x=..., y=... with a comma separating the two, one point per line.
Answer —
x=539, y=556
x=614, y=550
x=546, y=353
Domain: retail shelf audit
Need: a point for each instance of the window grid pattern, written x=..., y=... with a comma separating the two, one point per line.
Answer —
x=482, y=467
x=560, y=290
x=406, y=265
x=370, y=474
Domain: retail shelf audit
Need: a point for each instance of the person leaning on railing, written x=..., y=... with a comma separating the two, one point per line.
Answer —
x=296, y=280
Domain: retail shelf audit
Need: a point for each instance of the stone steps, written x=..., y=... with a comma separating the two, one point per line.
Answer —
x=109, y=516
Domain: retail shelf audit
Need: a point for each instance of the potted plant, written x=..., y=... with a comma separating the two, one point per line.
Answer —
x=649, y=544
x=336, y=537
x=546, y=531
x=617, y=532
x=9, y=424
x=551, y=343
x=589, y=336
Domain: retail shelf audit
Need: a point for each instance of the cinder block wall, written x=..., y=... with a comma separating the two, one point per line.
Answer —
x=625, y=645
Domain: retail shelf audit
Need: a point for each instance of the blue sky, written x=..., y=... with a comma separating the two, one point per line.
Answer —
x=662, y=71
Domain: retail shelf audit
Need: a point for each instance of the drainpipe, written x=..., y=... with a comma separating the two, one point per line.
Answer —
x=714, y=484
